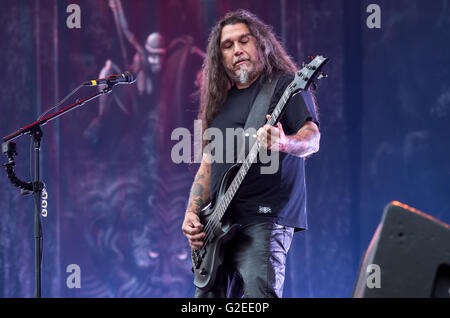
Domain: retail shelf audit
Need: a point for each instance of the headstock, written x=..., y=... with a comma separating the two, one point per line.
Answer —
x=309, y=73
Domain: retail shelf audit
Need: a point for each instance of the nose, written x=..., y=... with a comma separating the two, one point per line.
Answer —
x=238, y=50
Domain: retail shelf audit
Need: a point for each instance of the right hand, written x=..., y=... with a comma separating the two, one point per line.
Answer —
x=192, y=229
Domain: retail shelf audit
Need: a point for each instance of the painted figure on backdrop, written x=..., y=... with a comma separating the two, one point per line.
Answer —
x=148, y=65
x=134, y=236
x=138, y=250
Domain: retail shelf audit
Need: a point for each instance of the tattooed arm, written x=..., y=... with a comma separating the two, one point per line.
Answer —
x=198, y=199
x=302, y=144
x=199, y=195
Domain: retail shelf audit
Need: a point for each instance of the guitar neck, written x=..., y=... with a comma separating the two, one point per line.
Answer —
x=251, y=157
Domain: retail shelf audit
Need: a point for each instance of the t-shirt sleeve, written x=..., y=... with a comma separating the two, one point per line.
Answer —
x=300, y=108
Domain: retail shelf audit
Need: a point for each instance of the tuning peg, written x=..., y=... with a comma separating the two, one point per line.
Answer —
x=322, y=75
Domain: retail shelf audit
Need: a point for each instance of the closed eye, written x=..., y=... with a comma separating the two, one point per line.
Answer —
x=244, y=39
x=227, y=45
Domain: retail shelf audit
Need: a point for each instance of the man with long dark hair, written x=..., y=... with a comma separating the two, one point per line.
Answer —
x=243, y=55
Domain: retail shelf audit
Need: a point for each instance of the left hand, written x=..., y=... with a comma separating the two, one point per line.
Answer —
x=271, y=137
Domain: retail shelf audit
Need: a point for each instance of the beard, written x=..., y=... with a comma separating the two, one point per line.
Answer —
x=245, y=74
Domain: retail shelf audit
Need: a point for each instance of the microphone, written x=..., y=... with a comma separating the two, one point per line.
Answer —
x=124, y=78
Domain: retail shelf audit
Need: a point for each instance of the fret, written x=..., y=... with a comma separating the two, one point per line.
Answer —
x=235, y=187
x=238, y=178
x=225, y=202
x=221, y=211
x=275, y=114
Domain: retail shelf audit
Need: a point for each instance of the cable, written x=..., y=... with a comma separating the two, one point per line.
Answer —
x=62, y=101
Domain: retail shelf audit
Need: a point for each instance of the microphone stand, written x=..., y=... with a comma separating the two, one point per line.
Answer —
x=36, y=186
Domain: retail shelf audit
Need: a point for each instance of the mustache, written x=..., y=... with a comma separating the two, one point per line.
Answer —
x=235, y=61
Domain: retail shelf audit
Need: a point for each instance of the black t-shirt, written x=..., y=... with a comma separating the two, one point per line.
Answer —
x=279, y=197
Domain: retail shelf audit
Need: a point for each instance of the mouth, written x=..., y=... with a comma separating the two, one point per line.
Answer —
x=241, y=62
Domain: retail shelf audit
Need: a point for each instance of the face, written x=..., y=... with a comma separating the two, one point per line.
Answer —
x=144, y=254
x=240, y=54
x=155, y=60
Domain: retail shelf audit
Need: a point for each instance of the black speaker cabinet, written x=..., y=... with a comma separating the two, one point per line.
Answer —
x=409, y=256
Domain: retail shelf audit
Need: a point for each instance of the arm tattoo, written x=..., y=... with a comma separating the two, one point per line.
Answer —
x=199, y=177
x=304, y=143
x=198, y=194
x=197, y=190
x=199, y=203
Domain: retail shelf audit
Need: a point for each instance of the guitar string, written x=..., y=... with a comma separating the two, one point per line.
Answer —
x=211, y=226
x=209, y=229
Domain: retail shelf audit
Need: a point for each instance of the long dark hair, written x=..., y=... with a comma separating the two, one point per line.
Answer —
x=216, y=82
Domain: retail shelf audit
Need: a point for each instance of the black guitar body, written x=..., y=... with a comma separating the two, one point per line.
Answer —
x=212, y=252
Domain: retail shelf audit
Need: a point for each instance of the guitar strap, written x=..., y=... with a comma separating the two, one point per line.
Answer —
x=257, y=115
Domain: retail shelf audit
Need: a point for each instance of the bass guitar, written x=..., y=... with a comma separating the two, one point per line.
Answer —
x=219, y=229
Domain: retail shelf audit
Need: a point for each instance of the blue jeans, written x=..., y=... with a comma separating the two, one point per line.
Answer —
x=254, y=263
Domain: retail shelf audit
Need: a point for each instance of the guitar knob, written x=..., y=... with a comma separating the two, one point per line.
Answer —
x=203, y=272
